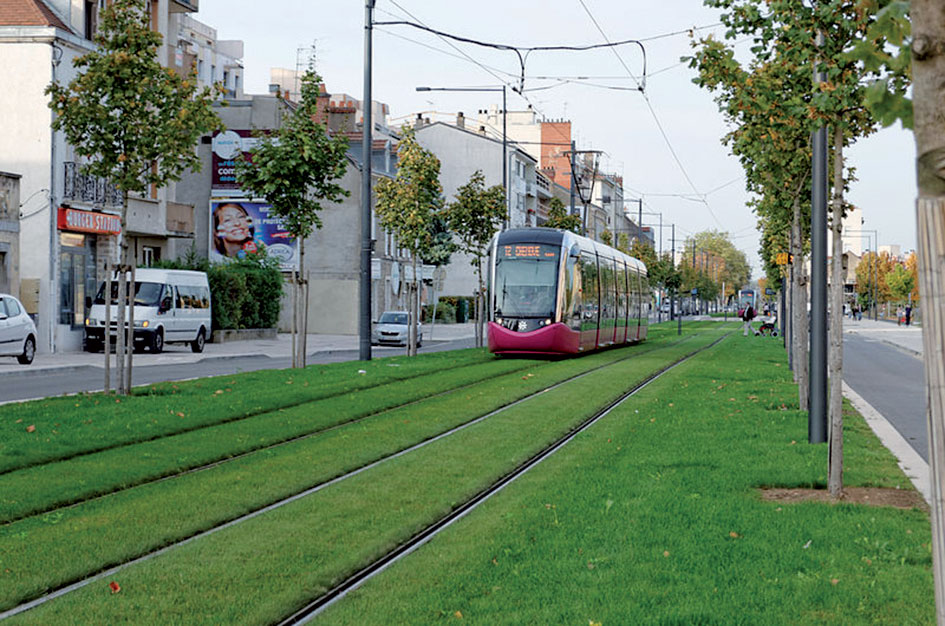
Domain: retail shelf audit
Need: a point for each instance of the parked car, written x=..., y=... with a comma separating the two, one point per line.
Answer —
x=17, y=331
x=171, y=306
x=392, y=329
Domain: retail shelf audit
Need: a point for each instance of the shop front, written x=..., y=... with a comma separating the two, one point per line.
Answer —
x=84, y=237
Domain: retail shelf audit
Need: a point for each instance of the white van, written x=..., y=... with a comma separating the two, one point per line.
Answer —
x=171, y=306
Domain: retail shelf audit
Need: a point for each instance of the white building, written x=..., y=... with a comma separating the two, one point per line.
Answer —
x=67, y=220
x=462, y=151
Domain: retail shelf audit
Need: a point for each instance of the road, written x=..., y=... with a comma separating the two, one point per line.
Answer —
x=27, y=385
x=892, y=380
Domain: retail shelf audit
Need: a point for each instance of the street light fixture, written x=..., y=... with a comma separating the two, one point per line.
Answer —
x=505, y=141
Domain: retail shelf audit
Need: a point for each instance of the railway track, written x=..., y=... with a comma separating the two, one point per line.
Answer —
x=319, y=604
x=78, y=584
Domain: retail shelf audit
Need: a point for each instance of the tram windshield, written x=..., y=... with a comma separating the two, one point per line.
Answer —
x=526, y=280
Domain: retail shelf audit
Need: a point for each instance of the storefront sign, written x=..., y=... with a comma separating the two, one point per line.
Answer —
x=239, y=227
x=89, y=221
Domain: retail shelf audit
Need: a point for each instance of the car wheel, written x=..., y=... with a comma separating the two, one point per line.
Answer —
x=29, y=351
x=197, y=344
x=93, y=346
x=157, y=342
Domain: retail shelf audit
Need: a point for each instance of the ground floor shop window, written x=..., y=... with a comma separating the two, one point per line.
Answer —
x=76, y=277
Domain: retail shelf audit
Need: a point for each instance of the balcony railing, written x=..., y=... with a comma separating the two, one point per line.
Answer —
x=87, y=188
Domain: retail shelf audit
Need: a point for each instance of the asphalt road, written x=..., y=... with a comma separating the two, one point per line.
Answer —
x=893, y=382
x=27, y=385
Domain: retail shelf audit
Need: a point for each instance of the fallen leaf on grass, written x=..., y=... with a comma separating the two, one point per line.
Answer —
x=218, y=392
x=115, y=587
x=834, y=581
x=30, y=428
x=665, y=552
x=179, y=414
x=734, y=535
x=19, y=421
x=458, y=614
x=591, y=622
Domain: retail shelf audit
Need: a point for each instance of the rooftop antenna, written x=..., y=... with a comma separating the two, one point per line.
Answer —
x=305, y=58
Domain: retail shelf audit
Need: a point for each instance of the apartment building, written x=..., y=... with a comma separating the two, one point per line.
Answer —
x=67, y=222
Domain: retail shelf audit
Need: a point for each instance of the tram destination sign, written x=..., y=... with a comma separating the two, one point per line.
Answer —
x=528, y=251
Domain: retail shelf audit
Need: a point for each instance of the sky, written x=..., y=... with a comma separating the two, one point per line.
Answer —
x=666, y=142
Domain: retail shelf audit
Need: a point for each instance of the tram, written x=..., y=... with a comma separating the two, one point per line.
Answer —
x=555, y=292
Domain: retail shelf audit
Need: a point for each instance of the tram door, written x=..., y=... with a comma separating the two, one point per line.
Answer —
x=622, y=309
x=608, y=302
x=590, y=300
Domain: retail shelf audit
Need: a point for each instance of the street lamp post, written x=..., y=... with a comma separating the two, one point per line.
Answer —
x=367, y=128
x=505, y=140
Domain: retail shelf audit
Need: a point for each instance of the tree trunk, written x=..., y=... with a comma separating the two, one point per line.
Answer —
x=295, y=316
x=302, y=312
x=479, y=326
x=107, y=339
x=835, y=353
x=414, y=315
x=305, y=322
x=131, y=328
x=928, y=90
x=120, y=323
x=801, y=326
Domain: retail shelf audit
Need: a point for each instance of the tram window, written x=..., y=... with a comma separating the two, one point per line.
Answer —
x=621, y=294
x=608, y=298
x=570, y=311
x=590, y=302
x=526, y=278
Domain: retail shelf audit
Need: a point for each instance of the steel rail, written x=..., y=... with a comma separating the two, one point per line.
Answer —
x=74, y=586
x=336, y=593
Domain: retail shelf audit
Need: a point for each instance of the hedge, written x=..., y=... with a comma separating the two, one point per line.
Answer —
x=245, y=293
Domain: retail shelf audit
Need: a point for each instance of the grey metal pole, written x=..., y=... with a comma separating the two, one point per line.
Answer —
x=505, y=162
x=678, y=312
x=817, y=411
x=364, y=321
x=640, y=217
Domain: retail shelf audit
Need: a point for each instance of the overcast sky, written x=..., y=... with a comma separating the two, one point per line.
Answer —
x=625, y=124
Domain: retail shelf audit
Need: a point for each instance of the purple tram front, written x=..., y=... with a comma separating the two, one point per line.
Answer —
x=555, y=292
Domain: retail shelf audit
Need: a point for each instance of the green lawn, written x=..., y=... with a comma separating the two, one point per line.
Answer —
x=651, y=516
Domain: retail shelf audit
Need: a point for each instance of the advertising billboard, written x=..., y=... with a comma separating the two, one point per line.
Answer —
x=226, y=145
x=239, y=227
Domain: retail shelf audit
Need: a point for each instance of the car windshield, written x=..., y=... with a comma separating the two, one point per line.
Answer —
x=526, y=278
x=394, y=318
x=146, y=294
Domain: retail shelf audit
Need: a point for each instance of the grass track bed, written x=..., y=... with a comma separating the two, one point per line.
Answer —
x=55, y=484
x=84, y=423
x=456, y=466
x=633, y=522
x=356, y=520
x=48, y=551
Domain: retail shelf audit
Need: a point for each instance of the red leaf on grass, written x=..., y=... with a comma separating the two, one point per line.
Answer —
x=30, y=428
x=115, y=587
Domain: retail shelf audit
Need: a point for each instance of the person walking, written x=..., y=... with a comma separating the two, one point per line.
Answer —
x=747, y=316
x=908, y=315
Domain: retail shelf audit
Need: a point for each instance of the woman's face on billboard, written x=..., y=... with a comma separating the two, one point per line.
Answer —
x=233, y=223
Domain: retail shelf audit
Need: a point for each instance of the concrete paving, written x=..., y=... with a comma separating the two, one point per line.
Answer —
x=281, y=346
x=908, y=338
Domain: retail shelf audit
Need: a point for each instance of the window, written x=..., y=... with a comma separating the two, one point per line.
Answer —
x=13, y=309
x=89, y=19
x=149, y=255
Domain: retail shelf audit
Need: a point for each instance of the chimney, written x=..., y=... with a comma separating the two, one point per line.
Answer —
x=482, y=131
x=460, y=120
x=418, y=123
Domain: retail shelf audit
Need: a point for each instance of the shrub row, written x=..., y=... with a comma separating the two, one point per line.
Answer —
x=246, y=293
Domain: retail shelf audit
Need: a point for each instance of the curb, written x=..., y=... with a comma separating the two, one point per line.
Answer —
x=35, y=371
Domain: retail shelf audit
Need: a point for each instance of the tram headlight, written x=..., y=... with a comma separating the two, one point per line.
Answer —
x=547, y=322
x=498, y=321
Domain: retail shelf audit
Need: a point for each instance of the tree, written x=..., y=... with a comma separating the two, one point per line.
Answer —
x=900, y=283
x=475, y=216
x=407, y=205
x=928, y=72
x=296, y=168
x=846, y=57
x=558, y=217
x=135, y=122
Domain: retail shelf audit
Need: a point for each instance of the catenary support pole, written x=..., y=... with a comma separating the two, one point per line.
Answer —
x=364, y=313
x=817, y=410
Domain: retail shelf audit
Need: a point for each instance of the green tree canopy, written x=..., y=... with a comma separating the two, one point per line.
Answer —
x=558, y=217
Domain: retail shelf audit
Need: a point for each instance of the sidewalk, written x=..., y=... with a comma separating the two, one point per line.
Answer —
x=181, y=353
x=908, y=338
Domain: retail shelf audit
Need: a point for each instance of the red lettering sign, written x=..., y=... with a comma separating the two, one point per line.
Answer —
x=88, y=221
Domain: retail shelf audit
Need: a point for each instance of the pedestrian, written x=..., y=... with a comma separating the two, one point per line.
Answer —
x=747, y=316
x=900, y=316
x=908, y=315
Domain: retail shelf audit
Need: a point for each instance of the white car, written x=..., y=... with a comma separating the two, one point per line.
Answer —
x=392, y=329
x=17, y=331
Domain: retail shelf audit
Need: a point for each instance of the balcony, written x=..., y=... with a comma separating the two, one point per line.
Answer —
x=88, y=189
x=184, y=6
x=180, y=218
x=542, y=187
